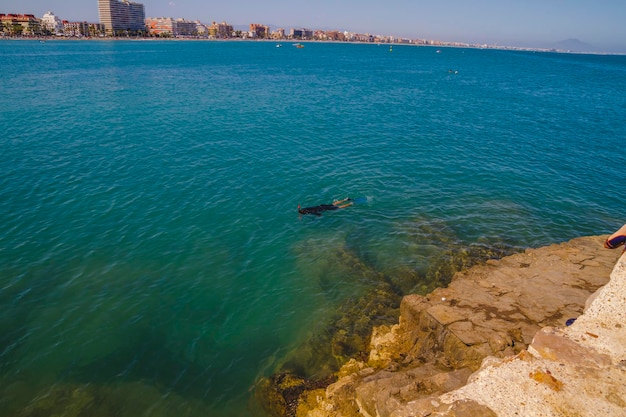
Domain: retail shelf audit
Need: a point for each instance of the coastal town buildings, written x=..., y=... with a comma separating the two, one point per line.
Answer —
x=279, y=33
x=202, y=29
x=27, y=25
x=82, y=29
x=259, y=31
x=335, y=35
x=52, y=23
x=20, y=24
x=122, y=16
x=301, y=34
x=161, y=26
x=169, y=27
x=125, y=18
x=186, y=27
x=221, y=30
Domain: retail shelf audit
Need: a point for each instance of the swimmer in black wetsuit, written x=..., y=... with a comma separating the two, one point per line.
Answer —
x=317, y=210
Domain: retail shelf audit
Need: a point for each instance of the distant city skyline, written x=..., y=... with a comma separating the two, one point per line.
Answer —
x=530, y=23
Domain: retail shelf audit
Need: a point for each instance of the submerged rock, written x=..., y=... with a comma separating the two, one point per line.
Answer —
x=347, y=335
x=67, y=400
x=280, y=394
x=123, y=399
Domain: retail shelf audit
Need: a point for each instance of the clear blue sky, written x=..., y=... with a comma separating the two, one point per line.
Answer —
x=601, y=23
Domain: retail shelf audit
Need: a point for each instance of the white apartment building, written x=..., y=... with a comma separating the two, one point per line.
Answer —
x=52, y=22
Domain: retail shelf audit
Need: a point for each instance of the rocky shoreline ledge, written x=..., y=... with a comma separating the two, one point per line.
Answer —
x=494, y=342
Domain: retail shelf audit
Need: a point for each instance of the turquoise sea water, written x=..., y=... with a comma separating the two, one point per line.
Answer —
x=150, y=250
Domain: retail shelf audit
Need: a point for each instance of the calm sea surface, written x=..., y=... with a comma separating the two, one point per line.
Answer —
x=151, y=255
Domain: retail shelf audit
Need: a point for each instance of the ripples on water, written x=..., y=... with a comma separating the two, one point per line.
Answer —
x=151, y=257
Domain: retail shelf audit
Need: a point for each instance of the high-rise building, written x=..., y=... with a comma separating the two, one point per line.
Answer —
x=124, y=15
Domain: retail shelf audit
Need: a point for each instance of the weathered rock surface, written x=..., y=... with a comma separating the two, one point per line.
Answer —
x=574, y=371
x=513, y=312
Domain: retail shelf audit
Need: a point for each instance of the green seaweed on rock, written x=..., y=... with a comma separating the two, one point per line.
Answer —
x=119, y=400
x=279, y=394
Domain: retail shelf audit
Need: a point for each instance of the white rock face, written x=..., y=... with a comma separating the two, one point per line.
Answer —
x=573, y=371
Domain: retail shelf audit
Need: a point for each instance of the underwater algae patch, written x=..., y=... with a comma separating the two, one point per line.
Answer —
x=279, y=395
x=120, y=400
x=346, y=334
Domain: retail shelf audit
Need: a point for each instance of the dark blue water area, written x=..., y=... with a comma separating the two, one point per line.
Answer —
x=150, y=247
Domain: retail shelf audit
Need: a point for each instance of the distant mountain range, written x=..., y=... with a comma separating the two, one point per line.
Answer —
x=576, y=45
